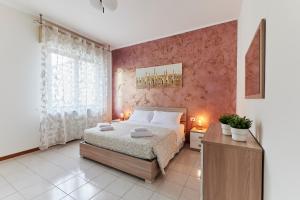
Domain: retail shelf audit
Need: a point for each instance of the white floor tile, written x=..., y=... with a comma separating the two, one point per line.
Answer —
x=36, y=175
x=154, y=186
x=26, y=181
x=10, y=167
x=2, y=181
x=196, y=172
x=74, y=165
x=71, y=151
x=54, y=194
x=197, y=163
x=138, y=193
x=60, y=177
x=193, y=183
x=103, y=180
x=6, y=190
x=36, y=190
x=89, y=174
x=15, y=196
x=54, y=156
x=119, y=187
x=18, y=175
x=31, y=160
x=48, y=170
x=113, y=171
x=186, y=160
x=181, y=168
x=67, y=198
x=105, y=196
x=84, y=163
x=71, y=184
x=85, y=192
x=176, y=177
x=170, y=189
x=188, y=194
x=48, y=155
x=130, y=178
x=157, y=196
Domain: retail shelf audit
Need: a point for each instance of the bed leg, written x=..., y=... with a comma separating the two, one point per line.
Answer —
x=148, y=181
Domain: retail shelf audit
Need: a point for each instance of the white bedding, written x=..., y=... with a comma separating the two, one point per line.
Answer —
x=178, y=128
x=166, y=142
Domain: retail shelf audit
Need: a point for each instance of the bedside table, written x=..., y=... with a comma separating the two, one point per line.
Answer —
x=196, y=136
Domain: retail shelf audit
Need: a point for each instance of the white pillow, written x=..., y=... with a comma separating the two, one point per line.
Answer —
x=161, y=117
x=141, y=116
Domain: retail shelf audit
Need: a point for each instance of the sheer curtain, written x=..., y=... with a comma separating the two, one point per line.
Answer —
x=74, y=89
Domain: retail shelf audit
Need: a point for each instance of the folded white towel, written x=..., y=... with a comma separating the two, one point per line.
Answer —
x=137, y=129
x=138, y=134
x=103, y=125
x=107, y=128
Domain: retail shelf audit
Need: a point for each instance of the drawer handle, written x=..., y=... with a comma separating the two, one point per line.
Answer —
x=199, y=145
x=200, y=137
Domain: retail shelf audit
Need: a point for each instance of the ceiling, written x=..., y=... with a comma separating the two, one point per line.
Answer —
x=134, y=21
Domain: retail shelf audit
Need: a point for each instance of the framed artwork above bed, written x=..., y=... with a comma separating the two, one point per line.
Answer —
x=159, y=76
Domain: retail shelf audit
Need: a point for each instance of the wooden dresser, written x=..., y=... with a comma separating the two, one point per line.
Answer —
x=231, y=170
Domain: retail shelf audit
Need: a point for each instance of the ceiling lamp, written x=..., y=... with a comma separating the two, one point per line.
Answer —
x=104, y=4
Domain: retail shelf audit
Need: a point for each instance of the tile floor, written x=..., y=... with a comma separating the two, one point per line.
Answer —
x=60, y=173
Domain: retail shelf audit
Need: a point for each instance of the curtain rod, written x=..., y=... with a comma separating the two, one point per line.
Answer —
x=44, y=22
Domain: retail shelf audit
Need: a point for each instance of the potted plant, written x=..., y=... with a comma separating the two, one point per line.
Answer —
x=240, y=128
x=224, y=120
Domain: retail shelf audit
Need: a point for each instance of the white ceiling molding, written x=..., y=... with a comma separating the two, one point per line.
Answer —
x=134, y=21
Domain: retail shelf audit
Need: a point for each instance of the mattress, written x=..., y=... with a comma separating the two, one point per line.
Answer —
x=119, y=139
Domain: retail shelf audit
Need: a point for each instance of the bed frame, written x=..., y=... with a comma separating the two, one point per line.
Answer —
x=145, y=169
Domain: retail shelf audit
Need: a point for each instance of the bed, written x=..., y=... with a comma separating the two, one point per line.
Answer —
x=141, y=157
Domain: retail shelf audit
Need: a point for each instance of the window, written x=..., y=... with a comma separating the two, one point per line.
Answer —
x=75, y=77
x=73, y=84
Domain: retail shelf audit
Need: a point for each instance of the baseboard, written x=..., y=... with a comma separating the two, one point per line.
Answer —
x=19, y=154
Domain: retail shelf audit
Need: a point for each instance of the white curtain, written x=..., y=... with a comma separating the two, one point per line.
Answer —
x=74, y=90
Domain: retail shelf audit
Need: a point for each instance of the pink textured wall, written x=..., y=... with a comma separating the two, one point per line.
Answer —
x=209, y=72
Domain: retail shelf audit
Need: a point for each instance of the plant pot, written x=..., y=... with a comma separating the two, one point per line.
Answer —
x=225, y=129
x=240, y=135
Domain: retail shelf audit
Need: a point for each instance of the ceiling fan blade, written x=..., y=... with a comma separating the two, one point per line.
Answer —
x=110, y=4
x=96, y=4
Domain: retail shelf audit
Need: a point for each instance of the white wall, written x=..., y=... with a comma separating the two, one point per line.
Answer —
x=19, y=82
x=276, y=117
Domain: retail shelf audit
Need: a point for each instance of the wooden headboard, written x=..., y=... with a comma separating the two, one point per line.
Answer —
x=167, y=109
